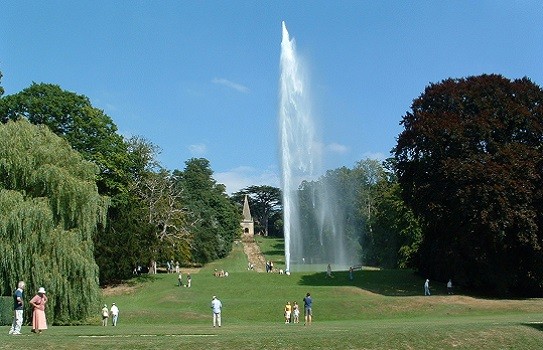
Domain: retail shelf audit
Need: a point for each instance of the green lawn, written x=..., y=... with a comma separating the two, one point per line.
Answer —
x=378, y=310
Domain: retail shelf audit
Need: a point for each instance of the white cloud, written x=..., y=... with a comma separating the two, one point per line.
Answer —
x=244, y=176
x=198, y=150
x=337, y=148
x=231, y=85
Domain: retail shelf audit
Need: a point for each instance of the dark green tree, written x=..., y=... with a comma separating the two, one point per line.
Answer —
x=265, y=202
x=71, y=116
x=215, y=219
x=49, y=212
x=121, y=243
x=129, y=239
x=470, y=165
x=395, y=235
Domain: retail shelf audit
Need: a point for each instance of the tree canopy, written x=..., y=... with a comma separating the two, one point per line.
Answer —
x=71, y=116
x=470, y=165
x=215, y=219
x=49, y=211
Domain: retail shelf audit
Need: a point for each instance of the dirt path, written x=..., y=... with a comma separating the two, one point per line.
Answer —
x=254, y=255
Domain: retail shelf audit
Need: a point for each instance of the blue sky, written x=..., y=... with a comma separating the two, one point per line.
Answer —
x=200, y=78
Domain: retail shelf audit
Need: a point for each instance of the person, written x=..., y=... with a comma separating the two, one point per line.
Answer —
x=449, y=287
x=105, y=315
x=17, y=309
x=216, y=306
x=351, y=273
x=189, y=280
x=296, y=311
x=427, y=287
x=288, y=310
x=114, y=314
x=308, y=312
x=39, y=322
x=329, y=271
x=177, y=266
x=180, y=280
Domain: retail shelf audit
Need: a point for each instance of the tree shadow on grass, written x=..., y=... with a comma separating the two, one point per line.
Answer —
x=275, y=249
x=384, y=282
x=535, y=325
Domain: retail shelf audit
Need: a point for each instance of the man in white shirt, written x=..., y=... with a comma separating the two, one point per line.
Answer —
x=18, y=309
x=427, y=287
x=216, y=306
x=114, y=314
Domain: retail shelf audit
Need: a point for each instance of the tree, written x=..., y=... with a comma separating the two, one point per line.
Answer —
x=72, y=117
x=264, y=201
x=470, y=165
x=129, y=239
x=49, y=211
x=395, y=235
x=216, y=219
x=166, y=215
x=119, y=243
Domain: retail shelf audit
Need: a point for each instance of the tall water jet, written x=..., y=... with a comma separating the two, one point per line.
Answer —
x=318, y=240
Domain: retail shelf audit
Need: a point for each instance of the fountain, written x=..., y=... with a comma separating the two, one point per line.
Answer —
x=307, y=246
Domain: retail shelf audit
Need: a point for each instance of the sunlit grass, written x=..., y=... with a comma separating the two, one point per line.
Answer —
x=377, y=310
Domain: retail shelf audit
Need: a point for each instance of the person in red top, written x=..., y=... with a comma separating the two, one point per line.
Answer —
x=39, y=322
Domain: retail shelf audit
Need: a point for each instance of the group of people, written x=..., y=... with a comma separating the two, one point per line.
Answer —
x=180, y=280
x=220, y=273
x=171, y=267
x=39, y=321
x=113, y=312
x=269, y=266
x=427, y=287
x=38, y=303
x=292, y=311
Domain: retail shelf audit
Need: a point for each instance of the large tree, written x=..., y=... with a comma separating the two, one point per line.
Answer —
x=394, y=234
x=71, y=116
x=129, y=238
x=470, y=164
x=264, y=201
x=119, y=244
x=215, y=219
x=49, y=211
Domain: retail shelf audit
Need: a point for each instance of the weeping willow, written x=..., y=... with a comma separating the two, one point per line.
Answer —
x=49, y=211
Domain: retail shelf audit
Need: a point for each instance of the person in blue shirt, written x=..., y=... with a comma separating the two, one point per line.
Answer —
x=308, y=304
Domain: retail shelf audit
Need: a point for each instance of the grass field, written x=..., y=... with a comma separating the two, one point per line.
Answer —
x=378, y=310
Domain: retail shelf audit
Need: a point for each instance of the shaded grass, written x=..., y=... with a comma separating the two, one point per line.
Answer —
x=378, y=310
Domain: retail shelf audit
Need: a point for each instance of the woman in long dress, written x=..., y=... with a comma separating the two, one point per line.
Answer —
x=39, y=322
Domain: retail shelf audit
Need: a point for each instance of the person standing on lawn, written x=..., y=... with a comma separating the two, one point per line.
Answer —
x=308, y=309
x=39, y=322
x=17, y=309
x=216, y=306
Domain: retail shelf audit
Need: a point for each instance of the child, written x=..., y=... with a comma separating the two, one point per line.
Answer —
x=288, y=309
x=296, y=312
